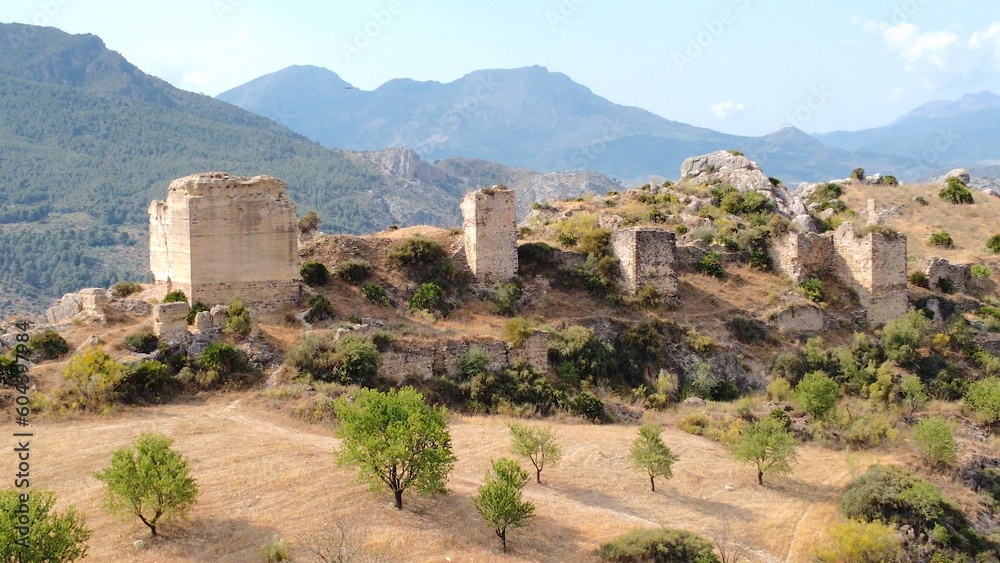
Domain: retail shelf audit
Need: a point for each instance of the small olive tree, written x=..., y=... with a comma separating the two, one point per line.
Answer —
x=767, y=445
x=499, y=502
x=648, y=453
x=536, y=444
x=395, y=440
x=149, y=480
x=31, y=531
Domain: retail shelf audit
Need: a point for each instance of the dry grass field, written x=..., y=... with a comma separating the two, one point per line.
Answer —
x=263, y=475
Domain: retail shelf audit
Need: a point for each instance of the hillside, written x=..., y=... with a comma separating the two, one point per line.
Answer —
x=526, y=117
x=87, y=140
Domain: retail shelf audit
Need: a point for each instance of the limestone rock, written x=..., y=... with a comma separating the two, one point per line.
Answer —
x=220, y=316
x=744, y=175
x=797, y=318
x=960, y=173
x=406, y=163
x=203, y=321
x=170, y=319
x=89, y=305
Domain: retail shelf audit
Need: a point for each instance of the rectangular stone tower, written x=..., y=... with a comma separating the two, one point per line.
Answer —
x=647, y=257
x=218, y=236
x=875, y=265
x=490, y=233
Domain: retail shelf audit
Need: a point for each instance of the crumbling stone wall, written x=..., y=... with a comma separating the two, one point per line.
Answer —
x=647, y=256
x=406, y=358
x=218, y=236
x=170, y=319
x=938, y=268
x=874, y=266
x=490, y=233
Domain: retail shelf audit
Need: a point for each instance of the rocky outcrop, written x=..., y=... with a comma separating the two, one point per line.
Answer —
x=406, y=163
x=743, y=174
x=89, y=305
x=960, y=173
x=170, y=319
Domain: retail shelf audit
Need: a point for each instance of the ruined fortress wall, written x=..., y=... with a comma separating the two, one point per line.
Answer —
x=490, y=234
x=427, y=360
x=938, y=268
x=875, y=267
x=218, y=236
x=800, y=255
x=647, y=256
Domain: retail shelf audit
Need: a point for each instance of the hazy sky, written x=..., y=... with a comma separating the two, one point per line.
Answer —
x=738, y=66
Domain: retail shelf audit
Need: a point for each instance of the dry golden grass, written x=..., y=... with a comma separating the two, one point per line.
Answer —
x=969, y=225
x=261, y=474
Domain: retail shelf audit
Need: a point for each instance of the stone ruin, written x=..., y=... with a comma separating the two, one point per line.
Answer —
x=89, y=305
x=218, y=236
x=490, y=229
x=647, y=257
x=939, y=268
x=873, y=265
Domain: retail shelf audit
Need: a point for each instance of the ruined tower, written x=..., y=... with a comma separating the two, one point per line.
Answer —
x=218, y=236
x=647, y=257
x=490, y=233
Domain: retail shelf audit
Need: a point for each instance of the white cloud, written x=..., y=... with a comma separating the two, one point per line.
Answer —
x=727, y=109
x=939, y=50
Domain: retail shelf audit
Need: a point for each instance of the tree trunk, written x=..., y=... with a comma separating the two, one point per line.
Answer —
x=652, y=483
x=503, y=540
x=399, y=500
x=538, y=476
x=760, y=477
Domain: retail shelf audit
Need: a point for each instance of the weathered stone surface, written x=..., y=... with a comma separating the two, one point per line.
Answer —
x=744, y=175
x=170, y=319
x=218, y=236
x=797, y=318
x=960, y=173
x=220, y=316
x=873, y=265
x=490, y=229
x=647, y=257
x=938, y=268
x=425, y=360
x=203, y=321
x=134, y=307
x=89, y=305
x=406, y=163
x=534, y=351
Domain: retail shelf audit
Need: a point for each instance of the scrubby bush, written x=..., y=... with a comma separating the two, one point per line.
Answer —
x=504, y=301
x=956, y=191
x=920, y=279
x=375, y=293
x=237, y=318
x=123, y=289
x=901, y=338
x=534, y=256
x=49, y=536
x=662, y=545
x=474, y=361
x=761, y=260
x=945, y=285
x=817, y=394
x=779, y=389
x=142, y=342
x=48, y=345
x=354, y=358
x=889, y=180
x=320, y=308
x=788, y=366
x=711, y=265
x=590, y=407
x=746, y=330
x=309, y=222
x=416, y=252
x=148, y=381
x=935, y=442
x=858, y=174
x=516, y=332
x=580, y=347
x=354, y=271
x=91, y=377
x=993, y=244
x=222, y=358
x=429, y=297
x=518, y=388
x=980, y=272
x=942, y=239
x=984, y=397
x=314, y=274
x=177, y=296
x=862, y=542
x=814, y=290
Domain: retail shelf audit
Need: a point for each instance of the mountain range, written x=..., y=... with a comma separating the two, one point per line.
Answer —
x=533, y=118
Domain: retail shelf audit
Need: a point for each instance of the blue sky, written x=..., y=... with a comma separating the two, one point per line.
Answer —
x=738, y=66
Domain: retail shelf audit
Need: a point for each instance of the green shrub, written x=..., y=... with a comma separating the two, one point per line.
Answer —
x=222, y=358
x=314, y=274
x=238, y=318
x=504, y=301
x=516, y=389
x=198, y=307
x=175, y=297
x=956, y=191
x=354, y=271
x=429, y=297
x=892, y=494
x=516, y=332
x=123, y=289
x=746, y=330
x=48, y=345
x=817, y=394
x=354, y=358
x=862, y=542
x=320, y=309
x=580, y=347
x=275, y=549
x=984, y=397
x=980, y=272
x=148, y=381
x=663, y=545
x=935, y=441
x=590, y=407
x=788, y=366
x=534, y=256
x=309, y=222
x=993, y=244
x=711, y=265
x=942, y=239
x=375, y=293
x=567, y=240
x=902, y=337
x=945, y=285
x=779, y=389
x=416, y=252
x=920, y=279
x=761, y=260
x=889, y=180
x=142, y=342
x=474, y=361
x=814, y=290
x=858, y=174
